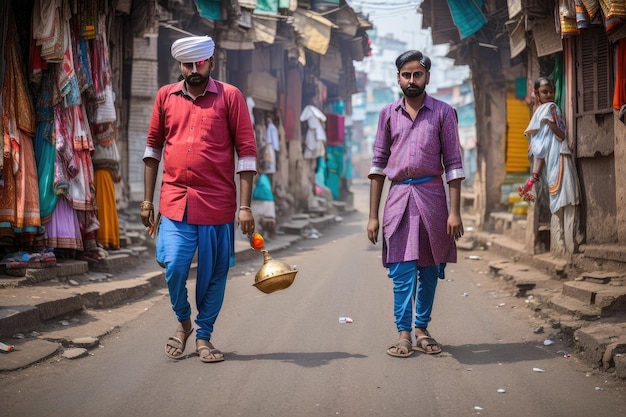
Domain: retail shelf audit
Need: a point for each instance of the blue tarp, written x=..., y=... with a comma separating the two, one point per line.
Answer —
x=467, y=15
x=210, y=9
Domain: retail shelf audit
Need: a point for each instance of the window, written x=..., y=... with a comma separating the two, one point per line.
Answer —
x=594, y=85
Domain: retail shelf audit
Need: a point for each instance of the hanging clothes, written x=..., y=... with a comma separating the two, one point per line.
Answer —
x=106, y=158
x=19, y=198
x=315, y=138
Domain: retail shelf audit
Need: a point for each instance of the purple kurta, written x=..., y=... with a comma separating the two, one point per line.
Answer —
x=415, y=217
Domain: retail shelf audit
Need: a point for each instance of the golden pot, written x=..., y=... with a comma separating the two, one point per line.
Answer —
x=273, y=275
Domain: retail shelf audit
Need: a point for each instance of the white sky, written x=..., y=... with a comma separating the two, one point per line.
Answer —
x=399, y=18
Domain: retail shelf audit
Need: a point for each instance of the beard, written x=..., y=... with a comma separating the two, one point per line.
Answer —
x=413, y=90
x=195, y=79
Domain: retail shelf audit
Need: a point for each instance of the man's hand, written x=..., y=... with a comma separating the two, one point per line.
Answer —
x=372, y=230
x=246, y=220
x=147, y=213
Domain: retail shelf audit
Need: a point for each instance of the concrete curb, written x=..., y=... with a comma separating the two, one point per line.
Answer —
x=137, y=279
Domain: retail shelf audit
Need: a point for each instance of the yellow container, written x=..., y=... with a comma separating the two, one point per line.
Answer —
x=514, y=197
x=520, y=208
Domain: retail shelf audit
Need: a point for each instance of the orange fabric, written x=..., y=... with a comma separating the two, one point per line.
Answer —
x=619, y=96
x=554, y=188
x=109, y=232
x=27, y=186
x=19, y=197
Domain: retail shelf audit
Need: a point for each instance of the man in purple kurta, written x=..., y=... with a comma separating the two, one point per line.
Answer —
x=416, y=144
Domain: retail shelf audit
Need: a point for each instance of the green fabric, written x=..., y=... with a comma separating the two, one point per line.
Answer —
x=558, y=76
x=266, y=6
x=263, y=189
x=334, y=169
x=210, y=9
x=521, y=88
x=320, y=173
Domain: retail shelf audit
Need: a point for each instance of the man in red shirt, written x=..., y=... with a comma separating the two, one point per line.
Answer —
x=198, y=126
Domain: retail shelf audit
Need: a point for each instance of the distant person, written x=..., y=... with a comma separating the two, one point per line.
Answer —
x=272, y=141
x=200, y=125
x=417, y=142
x=551, y=151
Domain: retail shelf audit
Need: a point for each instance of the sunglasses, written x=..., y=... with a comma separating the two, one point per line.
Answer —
x=195, y=65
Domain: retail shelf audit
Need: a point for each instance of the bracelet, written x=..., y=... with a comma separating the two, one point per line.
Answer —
x=245, y=208
x=146, y=205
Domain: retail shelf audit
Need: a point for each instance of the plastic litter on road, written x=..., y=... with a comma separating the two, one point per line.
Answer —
x=345, y=320
x=6, y=348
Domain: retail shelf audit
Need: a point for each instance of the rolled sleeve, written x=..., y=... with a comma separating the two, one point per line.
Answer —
x=152, y=153
x=455, y=174
x=375, y=171
x=246, y=163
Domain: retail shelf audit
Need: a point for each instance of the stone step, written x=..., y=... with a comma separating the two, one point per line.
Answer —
x=609, y=298
x=604, y=277
x=30, y=276
x=571, y=307
x=119, y=260
x=340, y=206
x=54, y=302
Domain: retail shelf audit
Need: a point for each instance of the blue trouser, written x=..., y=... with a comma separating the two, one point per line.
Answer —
x=176, y=246
x=412, y=282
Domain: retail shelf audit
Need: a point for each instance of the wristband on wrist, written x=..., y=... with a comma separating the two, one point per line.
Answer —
x=247, y=208
x=146, y=205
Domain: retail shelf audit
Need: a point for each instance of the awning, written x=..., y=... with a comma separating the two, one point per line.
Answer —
x=264, y=28
x=436, y=15
x=517, y=36
x=235, y=38
x=345, y=19
x=314, y=30
x=365, y=24
x=547, y=40
x=331, y=65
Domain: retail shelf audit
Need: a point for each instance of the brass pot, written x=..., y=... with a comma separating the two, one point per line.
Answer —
x=273, y=275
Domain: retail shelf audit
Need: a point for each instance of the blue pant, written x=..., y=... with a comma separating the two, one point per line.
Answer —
x=176, y=246
x=412, y=283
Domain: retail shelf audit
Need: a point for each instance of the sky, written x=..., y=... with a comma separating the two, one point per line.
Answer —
x=399, y=18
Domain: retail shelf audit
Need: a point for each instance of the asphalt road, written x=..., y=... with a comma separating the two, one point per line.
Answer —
x=288, y=355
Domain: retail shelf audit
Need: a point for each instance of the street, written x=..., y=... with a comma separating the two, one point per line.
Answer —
x=287, y=354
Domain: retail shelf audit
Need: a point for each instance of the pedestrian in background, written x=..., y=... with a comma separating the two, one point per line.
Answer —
x=417, y=142
x=553, y=162
x=200, y=125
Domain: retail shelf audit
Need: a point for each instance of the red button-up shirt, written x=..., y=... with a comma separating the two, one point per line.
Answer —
x=200, y=137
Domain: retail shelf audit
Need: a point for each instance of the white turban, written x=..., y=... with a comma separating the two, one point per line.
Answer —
x=193, y=48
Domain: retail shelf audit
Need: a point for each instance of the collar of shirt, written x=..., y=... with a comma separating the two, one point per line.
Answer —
x=428, y=102
x=182, y=88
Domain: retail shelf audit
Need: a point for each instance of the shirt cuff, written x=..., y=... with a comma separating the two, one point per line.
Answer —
x=376, y=171
x=152, y=153
x=246, y=163
x=455, y=174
